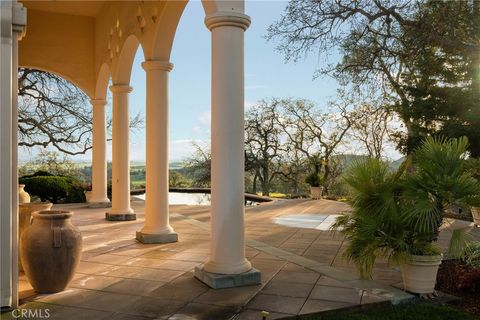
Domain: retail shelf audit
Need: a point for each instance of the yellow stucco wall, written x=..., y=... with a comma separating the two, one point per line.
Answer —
x=62, y=44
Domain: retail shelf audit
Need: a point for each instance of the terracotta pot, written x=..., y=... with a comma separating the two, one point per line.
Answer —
x=51, y=249
x=476, y=215
x=24, y=216
x=23, y=196
x=420, y=273
x=316, y=192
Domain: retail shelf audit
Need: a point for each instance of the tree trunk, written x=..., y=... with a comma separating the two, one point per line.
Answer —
x=266, y=181
x=326, y=175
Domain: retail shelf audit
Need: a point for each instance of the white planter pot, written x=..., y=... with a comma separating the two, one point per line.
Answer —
x=316, y=192
x=420, y=273
x=476, y=215
x=23, y=196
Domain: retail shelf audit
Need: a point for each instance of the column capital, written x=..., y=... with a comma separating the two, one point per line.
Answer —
x=98, y=102
x=157, y=65
x=19, y=19
x=230, y=18
x=121, y=88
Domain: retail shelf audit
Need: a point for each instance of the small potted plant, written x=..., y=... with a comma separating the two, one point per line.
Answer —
x=398, y=215
x=315, y=181
x=87, y=192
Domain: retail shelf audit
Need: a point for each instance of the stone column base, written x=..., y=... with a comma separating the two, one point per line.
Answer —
x=220, y=281
x=157, y=238
x=120, y=216
x=100, y=204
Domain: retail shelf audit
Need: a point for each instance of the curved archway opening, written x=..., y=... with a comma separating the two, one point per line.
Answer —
x=54, y=115
x=190, y=88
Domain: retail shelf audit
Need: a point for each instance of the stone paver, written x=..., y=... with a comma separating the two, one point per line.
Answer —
x=277, y=303
x=302, y=268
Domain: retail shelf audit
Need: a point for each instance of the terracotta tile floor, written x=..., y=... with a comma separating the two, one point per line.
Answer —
x=300, y=260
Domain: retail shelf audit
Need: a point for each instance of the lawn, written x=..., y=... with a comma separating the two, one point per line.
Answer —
x=414, y=311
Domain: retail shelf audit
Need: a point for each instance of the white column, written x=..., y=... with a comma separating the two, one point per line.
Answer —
x=227, y=252
x=98, y=197
x=6, y=156
x=121, y=209
x=157, y=227
x=12, y=28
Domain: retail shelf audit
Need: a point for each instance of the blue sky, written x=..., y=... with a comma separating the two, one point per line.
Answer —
x=266, y=76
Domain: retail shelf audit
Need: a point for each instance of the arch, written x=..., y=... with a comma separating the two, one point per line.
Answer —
x=124, y=63
x=59, y=74
x=213, y=6
x=165, y=31
x=101, y=86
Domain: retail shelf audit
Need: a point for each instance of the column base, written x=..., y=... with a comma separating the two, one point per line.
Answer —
x=157, y=238
x=99, y=204
x=221, y=281
x=120, y=216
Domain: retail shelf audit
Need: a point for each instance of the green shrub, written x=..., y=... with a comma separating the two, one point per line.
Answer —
x=398, y=214
x=314, y=180
x=471, y=254
x=53, y=188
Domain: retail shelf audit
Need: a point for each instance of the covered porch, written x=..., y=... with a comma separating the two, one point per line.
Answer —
x=93, y=44
x=288, y=241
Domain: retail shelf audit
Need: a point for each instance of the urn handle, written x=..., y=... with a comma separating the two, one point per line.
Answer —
x=57, y=237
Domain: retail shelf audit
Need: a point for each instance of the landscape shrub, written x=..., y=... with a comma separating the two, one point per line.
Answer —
x=53, y=188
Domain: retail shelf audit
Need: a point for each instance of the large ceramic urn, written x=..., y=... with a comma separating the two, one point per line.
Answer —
x=23, y=196
x=51, y=249
x=24, y=216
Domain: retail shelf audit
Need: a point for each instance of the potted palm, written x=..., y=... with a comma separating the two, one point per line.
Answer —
x=315, y=182
x=397, y=215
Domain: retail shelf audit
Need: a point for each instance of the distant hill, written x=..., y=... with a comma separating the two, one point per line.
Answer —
x=394, y=165
x=175, y=165
x=347, y=159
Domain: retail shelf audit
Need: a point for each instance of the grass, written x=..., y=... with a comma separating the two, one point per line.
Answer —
x=414, y=311
x=274, y=194
x=137, y=183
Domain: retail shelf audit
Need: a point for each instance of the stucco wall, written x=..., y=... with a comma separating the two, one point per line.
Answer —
x=62, y=44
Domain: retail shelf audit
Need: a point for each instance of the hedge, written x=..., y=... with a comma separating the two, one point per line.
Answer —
x=53, y=188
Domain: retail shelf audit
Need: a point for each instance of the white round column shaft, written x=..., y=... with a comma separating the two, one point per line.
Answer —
x=121, y=209
x=157, y=227
x=99, y=155
x=227, y=251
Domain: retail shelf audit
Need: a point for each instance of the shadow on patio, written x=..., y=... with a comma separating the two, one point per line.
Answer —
x=288, y=241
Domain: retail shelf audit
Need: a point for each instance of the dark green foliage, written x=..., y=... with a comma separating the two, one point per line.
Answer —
x=42, y=174
x=314, y=180
x=396, y=214
x=471, y=255
x=415, y=311
x=53, y=188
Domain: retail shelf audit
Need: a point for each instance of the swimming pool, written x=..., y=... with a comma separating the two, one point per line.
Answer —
x=193, y=199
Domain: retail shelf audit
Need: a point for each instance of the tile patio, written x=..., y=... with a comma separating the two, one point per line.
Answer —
x=300, y=260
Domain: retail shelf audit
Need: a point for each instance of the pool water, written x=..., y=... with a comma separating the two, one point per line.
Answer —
x=192, y=199
x=307, y=221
